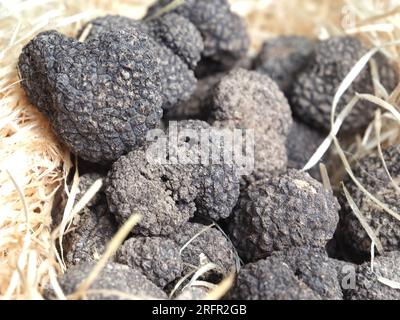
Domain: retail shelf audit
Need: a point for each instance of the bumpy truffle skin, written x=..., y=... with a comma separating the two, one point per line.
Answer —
x=157, y=258
x=94, y=229
x=371, y=173
x=224, y=33
x=210, y=244
x=301, y=144
x=282, y=58
x=314, y=88
x=101, y=97
x=313, y=267
x=163, y=195
x=290, y=210
x=115, y=277
x=179, y=35
x=183, y=187
x=270, y=279
x=85, y=182
x=250, y=100
x=367, y=285
x=177, y=80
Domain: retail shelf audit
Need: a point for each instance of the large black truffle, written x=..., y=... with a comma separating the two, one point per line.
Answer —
x=157, y=258
x=371, y=173
x=289, y=210
x=177, y=47
x=183, y=184
x=102, y=96
x=314, y=88
x=224, y=33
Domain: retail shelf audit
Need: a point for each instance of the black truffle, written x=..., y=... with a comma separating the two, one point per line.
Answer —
x=177, y=80
x=290, y=210
x=93, y=229
x=119, y=280
x=85, y=182
x=283, y=58
x=371, y=173
x=367, y=285
x=102, y=96
x=250, y=100
x=224, y=33
x=270, y=279
x=179, y=35
x=314, y=88
x=301, y=144
x=313, y=267
x=157, y=258
x=202, y=244
x=182, y=183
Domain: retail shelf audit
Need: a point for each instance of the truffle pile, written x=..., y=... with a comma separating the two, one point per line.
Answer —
x=109, y=94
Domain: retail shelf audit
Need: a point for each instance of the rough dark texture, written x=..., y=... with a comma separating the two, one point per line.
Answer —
x=85, y=182
x=94, y=228
x=283, y=58
x=371, y=174
x=270, y=279
x=182, y=187
x=290, y=210
x=179, y=35
x=249, y=100
x=301, y=144
x=101, y=97
x=313, y=267
x=368, y=287
x=198, y=106
x=177, y=80
x=314, y=88
x=224, y=33
x=210, y=246
x=157, y=258
x=114, y=276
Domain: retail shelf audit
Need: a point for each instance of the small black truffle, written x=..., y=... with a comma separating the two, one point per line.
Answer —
x=93, y=229
x=224, y=33
x=367, y=285
x=283, y=58
x=250, y=100
x=115, y=282
x=313, y=267
x=157, y=258
x=314, y=88
x=301, y=144
x=290, y=210
x=371, y=173
x=270, y=279
x=102, y=96
x=202, y=244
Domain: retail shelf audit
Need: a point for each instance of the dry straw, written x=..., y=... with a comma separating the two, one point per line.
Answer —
x=34, y=165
